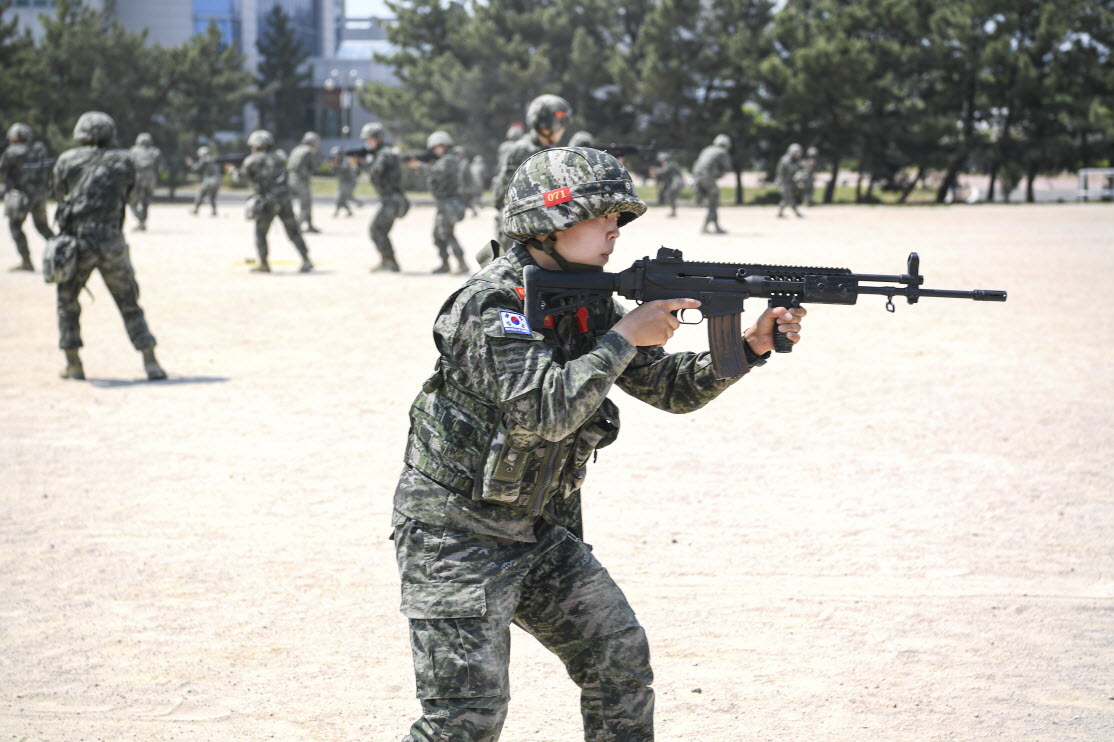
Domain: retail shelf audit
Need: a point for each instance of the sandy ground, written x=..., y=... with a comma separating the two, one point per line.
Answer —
x=901, y=532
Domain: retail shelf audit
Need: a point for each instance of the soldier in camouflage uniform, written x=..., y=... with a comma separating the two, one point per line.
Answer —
x=446, y=188
x=147, y=158
x=212, y=173
x=265, y=168
x=581, y=139
x=514, y=133
x=487, y=515
x=26, y=173
x=347, y=169
x=670, y=181
x=711, y=164
x=786, y=177
x=547, y=117
x=92, y=184
x=806, y=178
x=471, y=179
x=302, y=164
x=385, y=173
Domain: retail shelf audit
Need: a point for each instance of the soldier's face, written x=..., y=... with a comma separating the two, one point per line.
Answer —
x=590, y=242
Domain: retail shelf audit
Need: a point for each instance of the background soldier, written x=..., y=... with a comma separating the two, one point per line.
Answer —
x=212, y=173
x=514, y=133
x=347, y=170
x=385, y=173
x=787, y=168
x=471, y=179
x=93, y=183
x=445, y=186
x=670, y=181
x=547, y=117
x=26, y=173
x=581, y=139
x=712, y=163
x=303, y=163
x=487, y=516
x=265, y=168
x=807, y=176
x=147, y=158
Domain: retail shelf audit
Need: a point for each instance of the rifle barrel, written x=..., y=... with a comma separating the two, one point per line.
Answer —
x=976, y=294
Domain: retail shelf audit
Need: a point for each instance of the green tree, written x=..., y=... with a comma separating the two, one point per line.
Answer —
x=285, y=95
x=16, y=69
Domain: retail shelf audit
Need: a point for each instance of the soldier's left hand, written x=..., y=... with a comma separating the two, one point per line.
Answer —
x=760, y=336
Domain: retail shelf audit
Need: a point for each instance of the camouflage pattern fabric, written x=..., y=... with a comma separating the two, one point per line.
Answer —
x=93, y=185
x=516, y=154
x=712, y=163
x=670, y=182
x=446, y=188
x=211, y=176
x=267, y=173
x=787, y=168
x=806, y=180
x=25, y=193
x=302, y=163
x=385, y=173
x=346, y=173
x=461, y=592
x=146, y=159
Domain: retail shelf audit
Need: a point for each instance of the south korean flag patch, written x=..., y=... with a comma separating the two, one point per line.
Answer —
x=515, y=323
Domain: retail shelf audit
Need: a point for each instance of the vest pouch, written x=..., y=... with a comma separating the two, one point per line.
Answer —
x=16, y=205
x=600, y=431
x=505, y=463
x=60, y=258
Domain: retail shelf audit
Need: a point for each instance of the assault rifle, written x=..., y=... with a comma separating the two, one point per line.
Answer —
x=358, y=152
x=425, y=156
x=722, y=288
x=625, y=150
x=234, y=160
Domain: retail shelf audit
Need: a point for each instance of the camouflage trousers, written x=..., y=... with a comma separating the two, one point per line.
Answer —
x=141, y=198
x=449, y=212
x=788, y=195
x=108, y=253
x=461, y=592
x=345, y=197
x=207, y=192
x=669, y=193
x=304, y=195
x=391, y=207
x=708, y=189
x=37, y=210
x=285, y=213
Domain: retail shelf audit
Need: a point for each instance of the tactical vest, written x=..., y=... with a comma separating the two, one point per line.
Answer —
x=470, y=446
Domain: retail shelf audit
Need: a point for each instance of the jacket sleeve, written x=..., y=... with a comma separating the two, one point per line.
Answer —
x=515, y=368
x=674, y=382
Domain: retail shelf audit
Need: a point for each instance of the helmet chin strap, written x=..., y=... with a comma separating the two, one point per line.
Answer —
x=548, y=245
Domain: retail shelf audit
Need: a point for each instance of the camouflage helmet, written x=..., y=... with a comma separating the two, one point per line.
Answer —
x=373, y=130
x=550, y=112
x=439, y=139
x=261, y=138
x=144, y=139
x=203, y=151
x=795, y=149
x=722, y=140
x=515, y=130
x=812, y=152
x=20, y=132
x=558, y=188
x=311, y=138
x=95, y=127
x=580, y=139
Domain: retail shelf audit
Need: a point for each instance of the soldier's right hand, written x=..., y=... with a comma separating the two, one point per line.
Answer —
x=652, y=323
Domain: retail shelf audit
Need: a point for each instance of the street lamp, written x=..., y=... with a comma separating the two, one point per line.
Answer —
x=349, y=82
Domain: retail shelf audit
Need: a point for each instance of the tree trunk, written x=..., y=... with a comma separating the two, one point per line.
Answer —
x=859, y=188
x=738, y=188
x=829, y=190
x=909, y=188
x=1029, y=178
x=993, y=180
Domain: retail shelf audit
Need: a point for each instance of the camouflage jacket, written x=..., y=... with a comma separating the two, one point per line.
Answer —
x=302, y=163
x=712, y=163
x=502, y=433
x=444, y=176
x=25, y=168
x=146, y=158
x=670, y=175
x=787, y=169
x=211, y=170
x=98, y=204
x=266, y=171
x=385, y=171
x=515, y=156
x=346, y=173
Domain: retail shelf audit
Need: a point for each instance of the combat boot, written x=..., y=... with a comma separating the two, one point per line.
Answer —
x=463, y=268
x=310, y=229
x=443, y=268
x=24, y=265
x=262, y=267
x=73, y=369
x=151, y=365
x=719, y=229
x=307, y=266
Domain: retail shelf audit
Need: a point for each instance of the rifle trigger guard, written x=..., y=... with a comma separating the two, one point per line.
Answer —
x=681, y=316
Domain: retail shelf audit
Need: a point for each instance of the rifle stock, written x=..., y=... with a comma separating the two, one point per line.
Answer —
x=722, y=289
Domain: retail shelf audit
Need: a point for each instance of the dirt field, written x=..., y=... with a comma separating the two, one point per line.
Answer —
x=901, y=532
